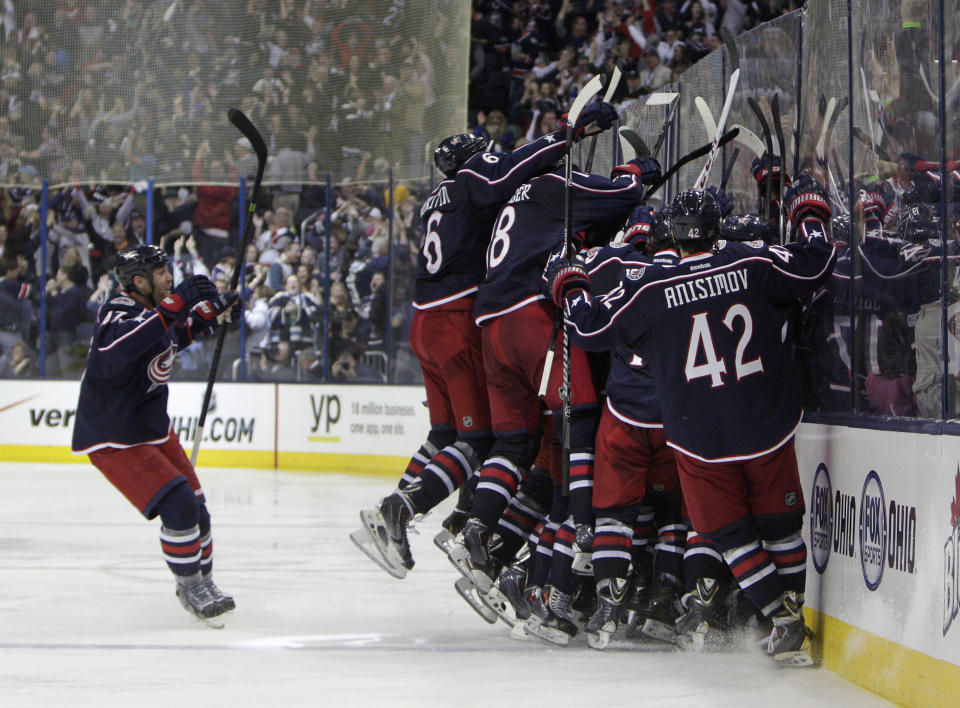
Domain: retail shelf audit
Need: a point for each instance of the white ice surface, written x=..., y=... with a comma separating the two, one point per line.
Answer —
x=88, y=616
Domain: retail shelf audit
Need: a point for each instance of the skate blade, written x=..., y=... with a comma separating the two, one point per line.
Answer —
x=599, y=640
x=373, y=523
x=519, y=632
x=371, y=550
x=468, y=591
x=218, y=622
x=793, y=659
x=498, y=602
x=444, y=541
x=583, y=563
x=653, y=629
x=547, y=634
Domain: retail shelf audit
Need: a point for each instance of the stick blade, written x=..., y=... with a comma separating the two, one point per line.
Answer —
x=664, y=98
x=632, y=145
x=243, y=124
x=730, y=44
x=591, y=89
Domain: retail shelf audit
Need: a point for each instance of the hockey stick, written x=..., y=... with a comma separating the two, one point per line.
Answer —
x=860, y=135
x=866, y=103
x=631, y=145
x=706, y=115
x=768, y=141
x=244, y=125
x=824, y=125
x=734, y=59
x=689, y=157
x=781, y=148
x=607, y=98
x=749, y=140
x=727, y=172
x=667, y=98
x=836, y=164
x=591, y=89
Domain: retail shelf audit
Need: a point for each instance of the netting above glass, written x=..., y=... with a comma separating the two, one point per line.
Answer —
x=110, y=91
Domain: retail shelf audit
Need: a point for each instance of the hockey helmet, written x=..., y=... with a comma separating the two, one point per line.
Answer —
x=919, y=224
x=694, y=216
x=452, y=152
x=138, y=260
x=840, y=228
x=745, y=227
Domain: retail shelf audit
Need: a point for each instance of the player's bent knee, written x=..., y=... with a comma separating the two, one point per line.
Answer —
x=179, y=509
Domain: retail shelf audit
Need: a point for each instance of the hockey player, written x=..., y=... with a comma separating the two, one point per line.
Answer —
x=710, y=328
x=456, y=222
x=122, y=421
x=517, y=323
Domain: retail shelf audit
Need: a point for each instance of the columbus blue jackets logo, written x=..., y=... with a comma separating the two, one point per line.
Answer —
x=160, y=367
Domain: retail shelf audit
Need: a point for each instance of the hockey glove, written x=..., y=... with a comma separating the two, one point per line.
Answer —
x=566, y=277
x=723, y=201
x=638, y=226
x=763, y=167
x=173, y=310
x=646, y=169
x=807, y=200
x=599, y=113
x=872, y=205
x=195, y=289
x=207, y=313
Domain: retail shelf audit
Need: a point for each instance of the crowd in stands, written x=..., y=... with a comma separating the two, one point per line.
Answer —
x=316, y=293
x=528, y=58
x=316, y=306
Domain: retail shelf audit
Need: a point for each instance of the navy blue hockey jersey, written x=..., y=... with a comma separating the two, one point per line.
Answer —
x=530, y=227
x=123, y=392
x=457, y=218
x=712, y=328
x=630, y=389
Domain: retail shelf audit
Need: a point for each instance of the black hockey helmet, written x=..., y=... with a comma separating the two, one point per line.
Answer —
x=745, y=227
x=455, y=150
x=694, y=216
x=138, y=260
x=840, y=228
x=919, y=224
x=661, y=233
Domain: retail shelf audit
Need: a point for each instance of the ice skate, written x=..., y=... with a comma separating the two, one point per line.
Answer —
x=790, y=641
x=195, y=597
x=582, y=550
x=501, y=603
x=470, y=555
x=660, y=617
x=699, y=626
x=383, y=537
x=550, y=617
x=472, y=595
x=600, y=628
x=225, y=601
x=511, y=585
x=635, y=606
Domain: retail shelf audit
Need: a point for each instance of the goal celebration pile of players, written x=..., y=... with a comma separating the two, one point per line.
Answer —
x=667, y=507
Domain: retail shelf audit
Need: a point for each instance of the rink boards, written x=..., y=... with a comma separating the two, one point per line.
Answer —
x=882, y=507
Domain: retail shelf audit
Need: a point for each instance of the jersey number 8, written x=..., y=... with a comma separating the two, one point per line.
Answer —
x=500, y=243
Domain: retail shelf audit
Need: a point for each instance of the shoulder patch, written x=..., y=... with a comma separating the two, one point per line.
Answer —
x=635, y=273
x=123, y=300
x=591, y=254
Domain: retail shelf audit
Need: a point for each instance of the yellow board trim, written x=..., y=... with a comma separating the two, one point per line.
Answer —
x=904, y=676
x=381, y=465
